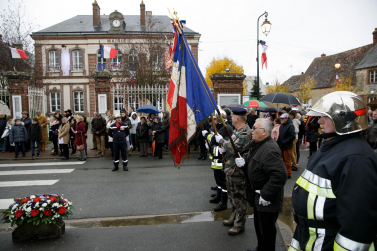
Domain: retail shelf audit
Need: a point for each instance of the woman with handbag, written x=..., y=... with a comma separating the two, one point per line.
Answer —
x=80, y=137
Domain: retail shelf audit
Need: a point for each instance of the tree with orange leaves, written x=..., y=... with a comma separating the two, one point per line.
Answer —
x=219, y=65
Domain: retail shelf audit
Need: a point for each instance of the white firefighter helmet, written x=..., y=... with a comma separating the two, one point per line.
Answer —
x=346, y=110
x=216, y=115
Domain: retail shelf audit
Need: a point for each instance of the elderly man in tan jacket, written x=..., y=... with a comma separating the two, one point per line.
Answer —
x=43, y=122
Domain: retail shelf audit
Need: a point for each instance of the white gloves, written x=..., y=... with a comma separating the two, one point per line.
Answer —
x=240, y=162
x=262, y=202
x=218, y=138
x=234, y=137
x=222, y=150
x=207, y=146
x=204, y=132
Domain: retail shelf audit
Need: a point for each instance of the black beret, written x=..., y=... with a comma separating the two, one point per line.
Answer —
x=239, y=111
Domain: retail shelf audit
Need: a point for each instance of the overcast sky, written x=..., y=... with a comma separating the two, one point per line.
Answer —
x=301, y=29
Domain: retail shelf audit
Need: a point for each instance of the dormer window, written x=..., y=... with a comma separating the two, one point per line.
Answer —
x=53, y=65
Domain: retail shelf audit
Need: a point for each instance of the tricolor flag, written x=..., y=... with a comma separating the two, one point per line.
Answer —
x=192, y=100
x=16, y=53
x=107, y=52
x=172, y=47
x=264, y=56
x=337, y=78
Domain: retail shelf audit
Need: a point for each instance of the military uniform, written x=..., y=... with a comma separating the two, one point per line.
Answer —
x=120, y=135
x=235, y=178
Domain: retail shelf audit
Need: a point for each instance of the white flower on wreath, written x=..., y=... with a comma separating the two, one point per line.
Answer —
x=41, y=209
x=36, y=205
x=44, y=205
x=28, y=209
x=48, y=201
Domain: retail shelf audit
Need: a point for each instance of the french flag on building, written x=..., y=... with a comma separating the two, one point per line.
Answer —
x=107, y=52
x=192, y=100
x=337, y=78
x=16, y=53
x=264, y=55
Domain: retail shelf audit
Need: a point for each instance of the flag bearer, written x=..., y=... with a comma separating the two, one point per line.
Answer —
x=235, y=179
x=217, y=160
x=334, y=199
x=120, y=132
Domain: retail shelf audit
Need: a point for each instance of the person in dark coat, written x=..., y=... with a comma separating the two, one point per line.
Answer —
x=80, y=136
x=266, y=177
x=99, y=126
x=312, y=134
x=35, y=136
x=27, y=123
x=166, y=124
x=18, y=136
x=142, y=134
x=3, y=124
x=251, y=118
x=285, y=140
x=72, y=135
x=201, y=140
x=53, y=134
x=159, y=137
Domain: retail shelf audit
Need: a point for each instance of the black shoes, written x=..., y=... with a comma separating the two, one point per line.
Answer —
x=214, y=188
x=115, y=168
x=125, y=168
x=204, y=157
x=65, y=158
x=217, y=198
x=200, y=157
x=288, y=177
x=221, y=206
x=294, y=168
x=213, y=195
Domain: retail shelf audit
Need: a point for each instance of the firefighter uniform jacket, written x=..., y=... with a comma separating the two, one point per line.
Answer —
x=215, y=156
x=335, y=198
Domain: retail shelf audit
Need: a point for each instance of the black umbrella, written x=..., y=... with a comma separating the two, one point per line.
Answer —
x=235, y=106
x=280, y=98
x=267, y=109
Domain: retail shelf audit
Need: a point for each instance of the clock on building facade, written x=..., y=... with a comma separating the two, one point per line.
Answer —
x=117, y=25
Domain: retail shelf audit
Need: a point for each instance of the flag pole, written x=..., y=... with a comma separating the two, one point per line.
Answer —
x=215, y=107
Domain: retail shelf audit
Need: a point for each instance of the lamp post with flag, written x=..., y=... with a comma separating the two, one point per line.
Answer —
x=266, y=27
x=337, y=74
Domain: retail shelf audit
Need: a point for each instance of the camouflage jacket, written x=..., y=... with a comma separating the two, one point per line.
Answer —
x=241, y=139
x=127, y=121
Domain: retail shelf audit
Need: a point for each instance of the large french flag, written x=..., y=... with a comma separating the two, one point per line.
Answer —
x=172, y=48
x=107, y=52
x=192, y=100
x=16, y=53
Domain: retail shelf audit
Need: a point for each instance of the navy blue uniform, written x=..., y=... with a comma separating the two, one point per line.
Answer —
x=119, y=136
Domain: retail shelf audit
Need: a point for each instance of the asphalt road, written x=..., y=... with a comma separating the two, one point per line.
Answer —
x=150, y=187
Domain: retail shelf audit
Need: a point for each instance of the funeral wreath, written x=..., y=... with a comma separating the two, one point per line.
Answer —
x=46, y=208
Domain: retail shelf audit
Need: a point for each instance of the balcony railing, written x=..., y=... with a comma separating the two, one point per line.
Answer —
x=54, y=68
x=109, y=67
x=77, y=67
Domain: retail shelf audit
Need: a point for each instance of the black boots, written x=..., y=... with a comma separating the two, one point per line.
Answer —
x=115, y=168
x=125, y=168
x=214, y=188
x=217, y=198
x=200, y=157
x=222, y=205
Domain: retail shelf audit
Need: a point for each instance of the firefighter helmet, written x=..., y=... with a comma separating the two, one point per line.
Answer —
x=216, y=115
x=346, y=110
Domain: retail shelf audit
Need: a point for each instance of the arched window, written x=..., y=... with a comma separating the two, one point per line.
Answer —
x=133, y=60
x=77, y=60
x=101, y=62
x=156, y=60
x=116, y=63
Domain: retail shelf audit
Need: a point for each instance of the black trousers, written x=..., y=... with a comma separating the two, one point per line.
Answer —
x=72, y=145
x=298, y=144
x=312, y=148
x=55, y=142
x=265, y=227
x=203, y=149
x=158, y=150
x=220, y=182
x=123, y=149
x=65, y=150
x=135, y=142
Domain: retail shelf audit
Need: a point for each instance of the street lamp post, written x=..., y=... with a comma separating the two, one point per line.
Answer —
x=266, y=27
x=337, y=65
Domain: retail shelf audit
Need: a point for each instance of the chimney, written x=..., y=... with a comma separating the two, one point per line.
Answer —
x=374, y=36
x=96, y=13
x=142, y=14
x=323, y=55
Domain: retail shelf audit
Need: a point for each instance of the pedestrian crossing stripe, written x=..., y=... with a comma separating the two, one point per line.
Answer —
x=42, y=171
x=27, y=183
x=44, y=164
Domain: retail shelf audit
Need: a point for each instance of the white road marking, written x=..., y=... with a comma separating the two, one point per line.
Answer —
x=43, y=171
x=4, y=203
x=44, y=164
x=27, y=183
